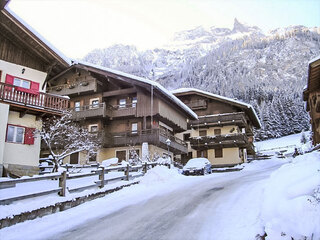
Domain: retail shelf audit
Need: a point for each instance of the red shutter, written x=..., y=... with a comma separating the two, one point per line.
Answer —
x=34, y=88
x=29, y=136
x=9, y=79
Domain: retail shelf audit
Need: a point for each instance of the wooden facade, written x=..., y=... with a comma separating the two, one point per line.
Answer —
x=312, y=97
x=124, y=109
x=222, y=124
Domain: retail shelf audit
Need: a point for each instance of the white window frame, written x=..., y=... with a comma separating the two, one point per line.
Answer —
x=15, y=132
x=134, y=130
x=134, y=101
x=21, y=83
x=121, y=105
x=94, y=105
x=77, y=108
x=93, y=125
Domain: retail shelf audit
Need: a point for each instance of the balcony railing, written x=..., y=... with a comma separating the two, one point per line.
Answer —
x=220, y=141
x=156, y=137
x=122, y=110
x=197, y=104
x=87, y=111
x=237, y=118
x=36, y=101
x=74, y=88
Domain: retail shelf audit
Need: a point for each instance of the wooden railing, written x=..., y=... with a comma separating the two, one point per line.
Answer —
x=77, y=87
x=227, y=140
x=86, y=111
x=122, y=110
x=197, y=104
x=39, y=100
x=62, y=180
x=237, y=118
x=154, y=136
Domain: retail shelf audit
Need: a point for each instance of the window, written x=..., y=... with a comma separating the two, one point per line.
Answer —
x=74, y=158
x=202, y=153
x=21, y=83
x=186, y=137
x=218, y=153
x=202, y=133
x=15, y=134
x=134, y=101
x=19, y=134
x=217, y=131
x=121, y=155
x=94, y=103
x=93, y=128
x=92, y=157
x=134, y=128
x=77, y=106
x=122, y=103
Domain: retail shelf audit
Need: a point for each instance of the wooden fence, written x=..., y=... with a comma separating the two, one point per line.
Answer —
x=64, y=176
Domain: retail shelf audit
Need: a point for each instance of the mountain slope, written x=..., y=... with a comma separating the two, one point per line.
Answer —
x=267, y=71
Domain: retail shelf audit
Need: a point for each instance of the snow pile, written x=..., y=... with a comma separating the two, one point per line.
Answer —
x=291, y=207
x=160, y=174
x=109, y=162
x=262, y=164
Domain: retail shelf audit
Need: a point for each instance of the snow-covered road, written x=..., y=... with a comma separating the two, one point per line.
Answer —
x=207, y=209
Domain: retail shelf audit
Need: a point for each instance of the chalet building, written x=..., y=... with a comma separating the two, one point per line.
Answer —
x=311, y=95
x=125, y=110
x=223, y=132
x=26, y=60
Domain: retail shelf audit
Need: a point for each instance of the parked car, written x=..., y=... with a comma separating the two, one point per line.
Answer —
x=197, y=166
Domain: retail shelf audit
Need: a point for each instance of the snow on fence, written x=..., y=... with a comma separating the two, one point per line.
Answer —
x=64, y=176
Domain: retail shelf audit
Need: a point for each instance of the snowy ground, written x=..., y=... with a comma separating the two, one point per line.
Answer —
x=279, y=196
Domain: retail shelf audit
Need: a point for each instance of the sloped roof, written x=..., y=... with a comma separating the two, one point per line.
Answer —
x=247, y=108
x=137, y=80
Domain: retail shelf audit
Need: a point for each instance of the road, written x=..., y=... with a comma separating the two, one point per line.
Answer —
x=221, y=208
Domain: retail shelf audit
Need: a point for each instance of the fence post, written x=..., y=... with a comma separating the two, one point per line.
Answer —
x=63, y=183
x=101, y=176
x=127, y=172
x=145, y=168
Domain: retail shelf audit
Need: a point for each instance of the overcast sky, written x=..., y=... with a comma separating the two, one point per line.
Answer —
x=76, y=27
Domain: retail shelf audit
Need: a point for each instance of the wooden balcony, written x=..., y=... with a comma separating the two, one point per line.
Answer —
x=198, y=104
x=216, y=120
x=35, y=103
x=88, y=111
x=155, y=137
x=74, y=88
x=128, y=110
x=220, y=141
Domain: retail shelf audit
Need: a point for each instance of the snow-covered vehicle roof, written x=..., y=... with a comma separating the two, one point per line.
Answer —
x=248, y=109
x=196, y=163
x=137, y=80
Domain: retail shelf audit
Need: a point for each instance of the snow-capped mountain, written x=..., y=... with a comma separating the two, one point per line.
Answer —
x=266, y=70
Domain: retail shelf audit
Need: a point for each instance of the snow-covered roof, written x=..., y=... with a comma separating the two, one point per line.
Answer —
x=156, y=85
x=313, y=60
x=222, y=98
x=41, y=40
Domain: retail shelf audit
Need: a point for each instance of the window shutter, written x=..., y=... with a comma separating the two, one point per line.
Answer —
x=34, y=88
x=9, y=79
x=29, y=136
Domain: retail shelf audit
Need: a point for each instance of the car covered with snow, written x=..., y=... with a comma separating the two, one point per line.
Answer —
x=197, y=166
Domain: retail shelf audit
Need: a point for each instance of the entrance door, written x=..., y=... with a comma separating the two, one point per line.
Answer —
x=74, y=158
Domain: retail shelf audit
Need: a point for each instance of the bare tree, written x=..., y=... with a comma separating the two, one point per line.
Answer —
x=63, y=137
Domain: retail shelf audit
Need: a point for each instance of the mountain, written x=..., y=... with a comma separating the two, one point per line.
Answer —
x=268, y=71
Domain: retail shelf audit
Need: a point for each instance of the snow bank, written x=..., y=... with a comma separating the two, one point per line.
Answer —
x=291, y=206
x=111, y=161
x=165, y=160
x=160, y=174
x=262, y=164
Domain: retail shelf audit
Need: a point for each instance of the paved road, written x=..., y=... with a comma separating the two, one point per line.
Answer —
x=215, y=208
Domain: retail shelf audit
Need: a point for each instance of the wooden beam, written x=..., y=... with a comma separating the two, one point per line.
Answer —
x=119, y=92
